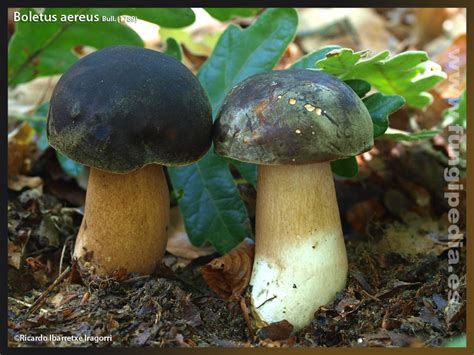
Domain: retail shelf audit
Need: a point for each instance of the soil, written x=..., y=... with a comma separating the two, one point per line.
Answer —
x=397, y=292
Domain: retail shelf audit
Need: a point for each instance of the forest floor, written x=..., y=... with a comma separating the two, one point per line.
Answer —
x=396, y=295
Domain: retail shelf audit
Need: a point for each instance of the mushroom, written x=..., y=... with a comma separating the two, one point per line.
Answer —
x=293, y=123
x=125, y=112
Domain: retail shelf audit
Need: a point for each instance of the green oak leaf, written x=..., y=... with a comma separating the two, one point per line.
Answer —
x=380, y=106
x=399, y=135
x=309, y=60
x=247, y=171
x=173, y=49
x=345, y=167
x=202, y=47
x=361, y=87
x=409, y=74
x=211, y=204
x=46, y=48
x=228, y=13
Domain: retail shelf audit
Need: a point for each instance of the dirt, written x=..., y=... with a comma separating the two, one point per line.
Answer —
x=392, y=298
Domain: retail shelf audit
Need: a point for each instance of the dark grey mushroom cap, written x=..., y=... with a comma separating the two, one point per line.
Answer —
x=292, y=117
x=124, y=107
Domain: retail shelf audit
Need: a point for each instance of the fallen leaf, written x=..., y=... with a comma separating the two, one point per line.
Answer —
x=21, y=151
x=362, y=213
x=14, y=255
x=291, y=54
x=19, y=182
x=357, y=28
x=421, y=236
x=428, y=316
x=25, y=98
x=400, y=339
x=454, y=311
x=347, y=305
x=453, y=61
x=276, y=331
x=417, y=193
x=20, y=147
x=178, y=241
x=397, y=286
x=229, y=275
x=191, y=315
x=428, y=24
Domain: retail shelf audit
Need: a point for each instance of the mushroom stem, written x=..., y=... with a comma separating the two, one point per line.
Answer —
x=300, y=257
x=125, y=221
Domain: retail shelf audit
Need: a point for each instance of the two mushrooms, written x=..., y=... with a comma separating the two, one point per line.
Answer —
x=125, y=112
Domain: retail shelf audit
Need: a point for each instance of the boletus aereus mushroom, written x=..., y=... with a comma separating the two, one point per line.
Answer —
x=292, y=123
x=125, y=112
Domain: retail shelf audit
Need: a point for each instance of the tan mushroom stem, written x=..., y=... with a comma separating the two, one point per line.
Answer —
x=300, y=257
x=125, y=221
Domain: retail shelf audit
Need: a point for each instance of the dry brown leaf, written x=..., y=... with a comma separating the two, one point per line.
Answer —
x=417, y=193
x=229, y=275
x=178, y=241
x=362, y=213
x=357, y=28
x=14, y=255
x=19, y=182
x=21, y=150
x=25, y=98
x=453, y=62
x=291, y=55
x=276, y=331
x=428, y=24
x=420, y=236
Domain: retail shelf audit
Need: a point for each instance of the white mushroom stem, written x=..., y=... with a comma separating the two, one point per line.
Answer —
x=300, y=256
x=125, y=221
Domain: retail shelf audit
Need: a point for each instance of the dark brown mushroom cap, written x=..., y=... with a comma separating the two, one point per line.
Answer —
x=292, y=117
x=123, y=107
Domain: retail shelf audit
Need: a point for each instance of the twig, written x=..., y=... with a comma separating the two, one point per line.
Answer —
x=61, y=259
x=24, y=304
x=267, y=300
x=41, y=299
x=372, y=297
x=245, y=313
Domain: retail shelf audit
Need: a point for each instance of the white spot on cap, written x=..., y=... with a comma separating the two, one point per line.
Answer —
x=309, y=107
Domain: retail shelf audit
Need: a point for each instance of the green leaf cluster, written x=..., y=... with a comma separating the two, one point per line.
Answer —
x=409, y=74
